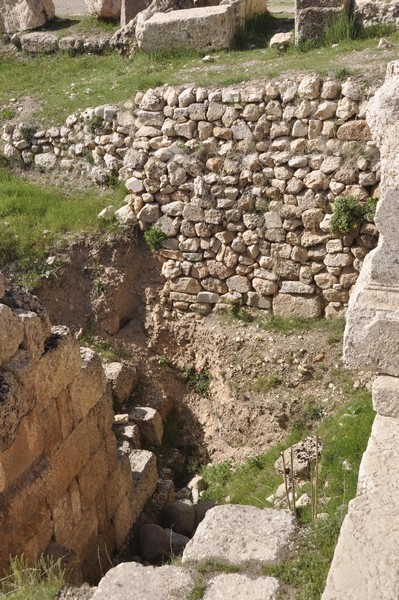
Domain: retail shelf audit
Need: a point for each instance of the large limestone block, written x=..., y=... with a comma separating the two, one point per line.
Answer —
x=11, y=333
x=132, y=581
x=36, y=331
x=149, y=422
x=104, y=9
x=211, y=27
x=122, y=378
x=130, y=8
x=386, y=396
x=89, y=386
x=143, y=465
x=267, y=534
x=59, y=365
x=368, y=12
x=235, y=586
x=366, y=559
x=286, y=305
x=18, y=15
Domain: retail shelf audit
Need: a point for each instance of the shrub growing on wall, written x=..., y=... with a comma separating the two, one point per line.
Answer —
x=349, y=213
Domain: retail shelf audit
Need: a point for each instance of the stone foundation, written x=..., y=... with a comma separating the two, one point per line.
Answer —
x=63, y=488
x=241, y=181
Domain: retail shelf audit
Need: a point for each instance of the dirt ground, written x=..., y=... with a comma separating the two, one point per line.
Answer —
x=70, y=8
x=256, y=384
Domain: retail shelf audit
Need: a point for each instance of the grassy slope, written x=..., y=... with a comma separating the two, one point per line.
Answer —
x=62, y=85
x=345, y=437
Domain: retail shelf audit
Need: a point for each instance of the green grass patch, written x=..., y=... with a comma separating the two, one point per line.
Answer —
x=284, y=325
x=35, y=219
x=63, y=85
x=43, y=581
x=345, y=437
x=263, y=384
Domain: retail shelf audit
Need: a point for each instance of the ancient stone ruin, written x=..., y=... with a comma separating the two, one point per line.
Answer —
x=18, y=15
x=64, y=490
x=241, y=182
x=366, y=557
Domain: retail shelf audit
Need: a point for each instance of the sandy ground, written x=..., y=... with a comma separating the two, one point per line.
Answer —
x=67, y=8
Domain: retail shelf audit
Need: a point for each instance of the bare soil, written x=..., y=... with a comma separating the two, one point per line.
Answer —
x=261, y=383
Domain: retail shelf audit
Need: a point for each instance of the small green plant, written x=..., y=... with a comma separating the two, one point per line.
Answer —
x=265, y=384
x=342, y=74
x=197, y=592
x=94, y=123
x=42, y=581
x=199, y=382
x=349, y=214
x=7, y=113
x=154, y=238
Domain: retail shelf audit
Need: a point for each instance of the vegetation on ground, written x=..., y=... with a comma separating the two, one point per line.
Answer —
x=62, y=86
x=43, y=581
x=344, y=436
x=36, y=220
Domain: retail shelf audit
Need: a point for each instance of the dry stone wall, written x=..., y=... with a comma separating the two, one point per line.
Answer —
x=241, y=181
x=63, y=488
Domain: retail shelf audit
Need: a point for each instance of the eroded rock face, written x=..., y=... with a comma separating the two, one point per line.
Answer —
x=24, y=14
x=374, y=13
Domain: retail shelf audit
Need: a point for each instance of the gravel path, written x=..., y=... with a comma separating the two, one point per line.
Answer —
x=68, y=8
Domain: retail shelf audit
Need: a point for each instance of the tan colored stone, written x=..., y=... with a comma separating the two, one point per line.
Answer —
x=58, y=366
x=87, y=389
x=210, y=27
x=24, y=14
x=11, y=333
x=149, y=422
x=354, y=130
x=286, y=305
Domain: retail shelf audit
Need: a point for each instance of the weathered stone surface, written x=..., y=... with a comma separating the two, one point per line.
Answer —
x=281, y=40
x=24, y=14
x=219, y=536
x=89, y=386
x=211, y=27
x=287, y=305
x=304, y=453
x=39, y=42
x=236, y=586
x=104, y=9
x=143, y=466
x=366, y=558
x=122, y=378
x=386, y=396
x=132, y=581
x=11, y=333
x=149, y=422
x=180, y=517
x=155, y=543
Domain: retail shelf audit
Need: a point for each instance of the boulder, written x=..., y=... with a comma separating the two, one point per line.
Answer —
x=154, y=543
x=18, y=15
x=304, y=453
x=281, y=40
x=39, y=42
x=177, y=541
x=236, y=586
x=149, y=422
x=133, y=581
x=104, y=9
x=211, y=27
x=219, y=537
x=180, y=517
x=122, y=379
